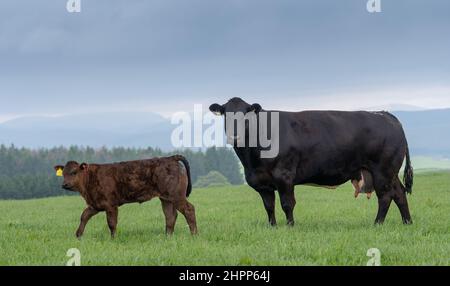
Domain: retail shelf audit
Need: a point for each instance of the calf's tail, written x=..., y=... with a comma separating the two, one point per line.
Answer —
x=408, y=176
x=188, y=172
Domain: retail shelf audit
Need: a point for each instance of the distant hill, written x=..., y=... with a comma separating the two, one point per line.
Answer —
x=428, y=131
x=101, y=129
x=397, y=107
x=113, y=121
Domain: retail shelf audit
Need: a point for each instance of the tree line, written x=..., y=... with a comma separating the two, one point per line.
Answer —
x=28, y=173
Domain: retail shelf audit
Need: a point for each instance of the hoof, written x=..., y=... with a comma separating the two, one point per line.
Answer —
x=379, y=222
x=407, y=222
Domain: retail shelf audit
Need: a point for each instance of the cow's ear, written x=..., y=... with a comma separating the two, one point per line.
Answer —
x=217, y=109
x=58, y=167
x=255, y=107
x=83, y=166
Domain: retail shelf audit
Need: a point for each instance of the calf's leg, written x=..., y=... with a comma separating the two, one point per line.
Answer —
x=188, y=210
x=111, y=218
x=170, y=212
x=85, y=217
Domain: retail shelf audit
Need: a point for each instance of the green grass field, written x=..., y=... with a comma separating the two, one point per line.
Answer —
x=332, y=228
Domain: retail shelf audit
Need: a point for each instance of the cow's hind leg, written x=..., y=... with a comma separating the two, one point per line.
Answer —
x=85, y=217
x=384, y=201
x=268, y=197
x=400, y=200
x=188, y=210
x=111, y=218
x=383, y=188
x=170, y=212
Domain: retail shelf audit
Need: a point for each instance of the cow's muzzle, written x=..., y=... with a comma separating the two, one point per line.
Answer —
x=67, y=187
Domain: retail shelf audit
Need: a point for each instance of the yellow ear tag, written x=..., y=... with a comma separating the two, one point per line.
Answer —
x=59, y=173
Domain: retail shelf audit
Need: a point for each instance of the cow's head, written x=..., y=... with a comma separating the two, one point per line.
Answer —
x=235, y=104
x=74, y=175
x=233, y=107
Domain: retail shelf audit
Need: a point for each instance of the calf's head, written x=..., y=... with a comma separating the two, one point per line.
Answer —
x=238, y=114
x=74, y=175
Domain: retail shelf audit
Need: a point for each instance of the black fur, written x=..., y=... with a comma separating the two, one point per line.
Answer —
x=328, y=148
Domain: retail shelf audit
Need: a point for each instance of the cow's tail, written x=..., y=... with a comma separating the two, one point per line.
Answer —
x=188, y=172
x=408, y=176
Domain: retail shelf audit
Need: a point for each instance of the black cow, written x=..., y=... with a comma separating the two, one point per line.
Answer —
x=326, y=148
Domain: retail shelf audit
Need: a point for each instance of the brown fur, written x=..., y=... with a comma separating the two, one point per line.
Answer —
x=106, y=187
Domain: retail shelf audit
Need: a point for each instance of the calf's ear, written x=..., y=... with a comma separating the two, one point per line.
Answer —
x=58, y=167
x=255, y=107
x=217, y=109
x=83, y=166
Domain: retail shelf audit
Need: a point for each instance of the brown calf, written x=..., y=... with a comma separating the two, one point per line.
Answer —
x=106, y=187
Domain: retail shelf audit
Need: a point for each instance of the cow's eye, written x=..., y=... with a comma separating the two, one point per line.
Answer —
x=73, y=173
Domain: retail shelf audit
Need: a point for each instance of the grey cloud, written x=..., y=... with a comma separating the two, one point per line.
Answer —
x=133, y=53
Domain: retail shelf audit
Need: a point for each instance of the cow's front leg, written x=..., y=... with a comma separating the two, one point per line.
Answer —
x=85, y=217
x=268, y=197
x=111, y=217
x=287, y=199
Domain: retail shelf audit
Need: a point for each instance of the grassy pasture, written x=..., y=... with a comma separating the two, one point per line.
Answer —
x=332, y=228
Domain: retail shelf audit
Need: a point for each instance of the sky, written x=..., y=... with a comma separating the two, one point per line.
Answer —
x=167, y=55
